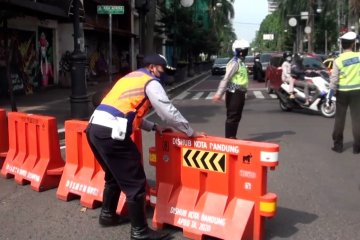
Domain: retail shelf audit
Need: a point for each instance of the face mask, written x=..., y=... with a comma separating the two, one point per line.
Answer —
x=163, y=78
x=288, y=59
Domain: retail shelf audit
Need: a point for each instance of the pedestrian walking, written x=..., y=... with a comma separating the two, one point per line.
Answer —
x=234, y=85
x=345, y=83
x=120, y=112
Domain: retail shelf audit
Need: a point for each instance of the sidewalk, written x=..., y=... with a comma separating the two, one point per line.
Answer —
x=56, y=101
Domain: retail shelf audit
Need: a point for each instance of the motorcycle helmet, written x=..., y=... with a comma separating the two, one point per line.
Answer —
x=240, y=47
x=287, y=56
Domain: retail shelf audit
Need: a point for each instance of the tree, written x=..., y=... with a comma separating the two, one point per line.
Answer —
x=325, y=22
x=196, y=29
x=354, y=13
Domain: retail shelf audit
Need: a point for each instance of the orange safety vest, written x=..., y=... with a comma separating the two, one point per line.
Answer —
x=128, y=99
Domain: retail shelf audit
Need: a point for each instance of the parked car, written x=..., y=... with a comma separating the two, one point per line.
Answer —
x=265, y=60
x=249, y=62
x=274, y=70
x=219, y=66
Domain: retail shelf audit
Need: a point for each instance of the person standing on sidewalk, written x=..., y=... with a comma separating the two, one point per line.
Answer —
x=234, y=85
x=110, y=127
x=345, y=81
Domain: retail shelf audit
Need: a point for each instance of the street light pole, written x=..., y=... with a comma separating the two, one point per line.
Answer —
x=311, y=24
x=79, y=99
x=177, y=3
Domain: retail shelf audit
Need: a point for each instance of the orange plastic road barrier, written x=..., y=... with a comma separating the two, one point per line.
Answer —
x=83, y=175
x=4, y=136
x=34, y=151
x=213, y=186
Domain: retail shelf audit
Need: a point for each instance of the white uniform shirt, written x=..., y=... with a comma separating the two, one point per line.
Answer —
x=286, y=71
x=165, y=109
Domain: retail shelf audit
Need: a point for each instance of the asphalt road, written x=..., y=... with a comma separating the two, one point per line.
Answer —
x=318, y=190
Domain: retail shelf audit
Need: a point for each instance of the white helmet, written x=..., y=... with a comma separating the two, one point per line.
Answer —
x=240, y=44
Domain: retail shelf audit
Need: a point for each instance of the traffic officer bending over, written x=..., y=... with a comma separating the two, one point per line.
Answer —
x=345, y=80
x=235, y=84
x=108, y=133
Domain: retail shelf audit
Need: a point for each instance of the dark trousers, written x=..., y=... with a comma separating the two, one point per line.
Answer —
x=234, y=106
x=343, y=101
x=120, y=160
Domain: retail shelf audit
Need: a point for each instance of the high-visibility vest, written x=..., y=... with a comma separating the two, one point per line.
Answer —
x=241, y=76
x=128, y=99
x=349, y=69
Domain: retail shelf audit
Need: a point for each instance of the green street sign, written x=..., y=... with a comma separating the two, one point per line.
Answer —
x=108, y=9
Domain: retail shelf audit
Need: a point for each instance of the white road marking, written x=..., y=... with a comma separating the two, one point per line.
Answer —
x=197, y=96
x=210, y=96
x=258, y=94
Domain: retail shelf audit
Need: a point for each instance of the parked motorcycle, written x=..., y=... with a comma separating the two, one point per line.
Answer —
x=318, y=101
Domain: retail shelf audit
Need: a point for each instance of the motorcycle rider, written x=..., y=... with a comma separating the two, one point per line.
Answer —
x=298, y=72
x=257, y=69
x=286, y=73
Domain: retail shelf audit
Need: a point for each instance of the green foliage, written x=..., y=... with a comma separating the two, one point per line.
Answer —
x=285, y=36
x=194, y=33
x=272, y=24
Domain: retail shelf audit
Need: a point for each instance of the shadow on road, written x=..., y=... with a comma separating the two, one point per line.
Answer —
x=260, y=137
x=285, y=221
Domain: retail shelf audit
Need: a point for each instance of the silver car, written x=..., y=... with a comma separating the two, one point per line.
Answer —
x=219, y=66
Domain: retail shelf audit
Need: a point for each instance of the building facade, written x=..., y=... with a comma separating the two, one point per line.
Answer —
x=38, y=37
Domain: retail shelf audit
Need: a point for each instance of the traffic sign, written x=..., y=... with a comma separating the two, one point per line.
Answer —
x=108, y=9
x=292, y=22
x=307, y=29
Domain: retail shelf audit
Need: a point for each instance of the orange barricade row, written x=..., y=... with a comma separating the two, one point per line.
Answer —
x=83, y=175
x=213, y=186
x=4, y=136
x=34, y=151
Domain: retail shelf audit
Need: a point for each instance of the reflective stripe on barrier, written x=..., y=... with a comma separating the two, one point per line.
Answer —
x=4, y=136
x=213, y=186
x=34, y=151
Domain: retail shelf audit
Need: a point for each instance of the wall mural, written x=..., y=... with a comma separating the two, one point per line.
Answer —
x=30, y=66
x=46, y=59
x=22, y=59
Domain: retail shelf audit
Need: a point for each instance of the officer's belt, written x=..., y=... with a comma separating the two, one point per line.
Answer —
x=103, y=118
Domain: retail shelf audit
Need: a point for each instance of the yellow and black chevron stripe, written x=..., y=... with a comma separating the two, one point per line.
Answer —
x=207, y=160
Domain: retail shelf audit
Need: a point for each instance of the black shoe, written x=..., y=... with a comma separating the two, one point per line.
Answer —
x=108, y=216
x=337, y=149
x=109, y=220
x=139, y=226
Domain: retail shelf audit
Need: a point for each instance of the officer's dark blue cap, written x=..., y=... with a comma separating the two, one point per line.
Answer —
x=156, y=59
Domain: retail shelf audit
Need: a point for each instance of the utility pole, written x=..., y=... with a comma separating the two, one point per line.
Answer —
x=79, y=99
x=311, y=25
